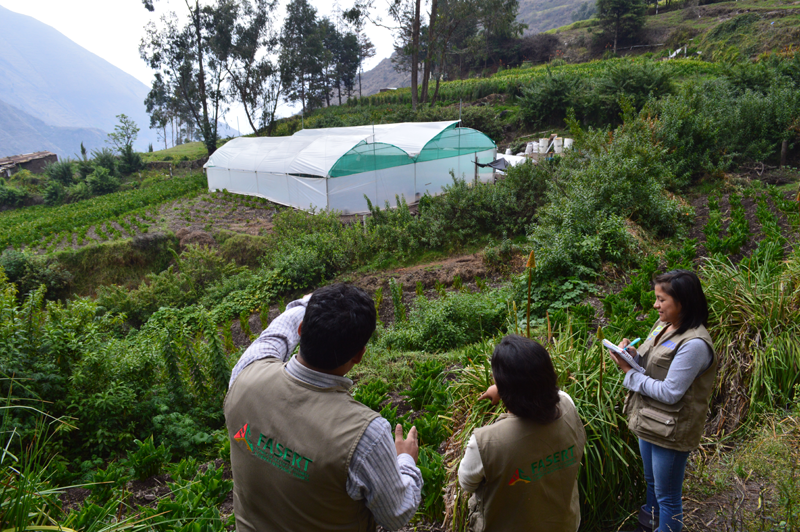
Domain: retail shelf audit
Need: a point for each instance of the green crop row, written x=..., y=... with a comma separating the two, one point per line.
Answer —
x=33, y=224
x=512, y=81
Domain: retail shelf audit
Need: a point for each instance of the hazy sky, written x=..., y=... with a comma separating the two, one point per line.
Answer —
x=112, y=29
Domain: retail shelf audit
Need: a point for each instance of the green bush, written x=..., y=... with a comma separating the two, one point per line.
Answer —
x=458, y=319
x=12, y=197
x=546, y=100
x=129, y=160
x=468, y=211
x=148, y=460
x=710, y=125
x=595, y=202
x=29, y=272
x=54, y=193
x=105, y=158
x=635, y=81
x=101, y=181
x=61, y=172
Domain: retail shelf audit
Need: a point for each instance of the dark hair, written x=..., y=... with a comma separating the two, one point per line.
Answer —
x=525, y=378
x=338, y=323
x=685, y=288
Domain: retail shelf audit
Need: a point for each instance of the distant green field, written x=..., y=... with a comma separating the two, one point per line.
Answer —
x=185, y=152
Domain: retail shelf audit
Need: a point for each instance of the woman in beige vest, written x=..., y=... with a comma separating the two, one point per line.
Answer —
x=668, y=403
x=523, y=469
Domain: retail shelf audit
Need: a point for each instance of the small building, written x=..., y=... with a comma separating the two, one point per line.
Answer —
x=33, y=162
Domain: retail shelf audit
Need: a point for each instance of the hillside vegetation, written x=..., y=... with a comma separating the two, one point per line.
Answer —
x=675, y=166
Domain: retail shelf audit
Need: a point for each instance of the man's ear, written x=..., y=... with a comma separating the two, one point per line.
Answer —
x=357, y=359
x=300, y=329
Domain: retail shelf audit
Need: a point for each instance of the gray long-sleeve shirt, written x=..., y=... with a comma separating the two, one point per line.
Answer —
x=692, y=358
x=390, y=485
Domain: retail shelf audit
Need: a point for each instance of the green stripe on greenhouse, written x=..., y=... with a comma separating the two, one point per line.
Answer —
x=453, y=142
x=369, y=158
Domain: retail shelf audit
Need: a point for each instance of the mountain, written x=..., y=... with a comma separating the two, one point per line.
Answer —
x=543, y=15
x=23, y=133
x=47, y=76
x=382, y=76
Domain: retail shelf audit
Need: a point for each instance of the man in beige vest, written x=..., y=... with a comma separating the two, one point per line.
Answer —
x=524, y=467
x=305, y=455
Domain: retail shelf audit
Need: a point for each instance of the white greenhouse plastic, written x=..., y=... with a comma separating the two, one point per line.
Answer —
x=335, y=168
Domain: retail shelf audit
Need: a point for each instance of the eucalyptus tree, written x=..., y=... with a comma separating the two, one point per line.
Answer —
x=620, y=18
x=251, y=53
x=301, y=50
x=183, y=53
x=357, y=19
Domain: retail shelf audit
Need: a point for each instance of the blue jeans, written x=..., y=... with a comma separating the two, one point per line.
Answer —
x=663, y=472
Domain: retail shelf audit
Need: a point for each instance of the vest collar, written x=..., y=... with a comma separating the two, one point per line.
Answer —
x=315, y=378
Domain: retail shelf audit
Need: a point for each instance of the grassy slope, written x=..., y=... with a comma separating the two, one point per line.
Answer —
x=768, y=26
x=191, y=151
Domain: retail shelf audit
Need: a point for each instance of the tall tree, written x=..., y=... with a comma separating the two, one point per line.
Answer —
x=331, y=41
x=183, y=55
x=620, y=18
x=301, y=49
x=426, y=74
x=455, y=21
x=159, y=106
x=357, y=18
x=497, y=20
x=254, y=78
x=347, y=64
x=406, y=14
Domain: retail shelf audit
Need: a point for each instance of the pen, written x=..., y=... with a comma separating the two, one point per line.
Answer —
x=632, y=343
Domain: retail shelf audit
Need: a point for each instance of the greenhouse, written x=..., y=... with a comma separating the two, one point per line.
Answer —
x=335, y=168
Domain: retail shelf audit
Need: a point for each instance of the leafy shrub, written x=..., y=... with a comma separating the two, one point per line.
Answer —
x=710, y=125
x=636, y=81
x=105, y=158
x=245, y=250
x=106, y=481
x=29, y=272
x=181, y=432
x=12, y=197
x=129, y=160
x=455, y=320
x=466, y=212
x=79, y=192
x=102, y=182
x=371, y=394
x=54, y=193
x=546, y=100
x=60, y=172
x=148, y=460
x=586, y=221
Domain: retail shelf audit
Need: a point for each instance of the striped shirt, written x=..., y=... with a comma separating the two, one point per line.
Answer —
x=390, y=485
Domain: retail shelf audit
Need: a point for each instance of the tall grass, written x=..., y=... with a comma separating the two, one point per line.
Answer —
x=610, y=482
x=755, y=322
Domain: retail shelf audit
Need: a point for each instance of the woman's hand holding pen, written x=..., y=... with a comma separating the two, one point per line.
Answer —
x=625, y=345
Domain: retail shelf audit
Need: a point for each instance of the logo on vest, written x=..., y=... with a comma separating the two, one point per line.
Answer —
x=655, y=332
x=275, y=453
x=545, y=466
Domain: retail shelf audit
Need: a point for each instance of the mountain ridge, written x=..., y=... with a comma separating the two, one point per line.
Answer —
x=47, y=76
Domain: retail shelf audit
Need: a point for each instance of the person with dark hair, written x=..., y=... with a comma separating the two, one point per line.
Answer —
x=668, y=403
x=304, y=454
x=523, y=468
